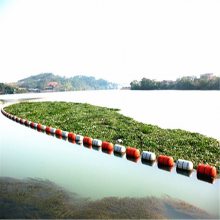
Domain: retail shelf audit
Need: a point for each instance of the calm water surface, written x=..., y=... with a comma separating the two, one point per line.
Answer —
x=94, y=174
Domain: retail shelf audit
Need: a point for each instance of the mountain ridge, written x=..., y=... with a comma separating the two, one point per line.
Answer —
x=50, y=81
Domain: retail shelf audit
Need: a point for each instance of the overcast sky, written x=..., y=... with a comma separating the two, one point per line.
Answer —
x=118, y=40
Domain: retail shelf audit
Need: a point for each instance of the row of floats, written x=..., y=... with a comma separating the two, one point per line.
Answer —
x=204, y=171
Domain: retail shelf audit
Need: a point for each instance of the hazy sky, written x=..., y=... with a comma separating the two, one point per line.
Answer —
x=118, y=40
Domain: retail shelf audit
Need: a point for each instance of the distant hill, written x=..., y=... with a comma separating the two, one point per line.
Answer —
x=49, y=81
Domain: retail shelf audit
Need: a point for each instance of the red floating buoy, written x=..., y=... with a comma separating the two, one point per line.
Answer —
x=206, y=170
x=39, y=127
x=72, y=136
x=58, y=132
x=26, y=122
x=47, y=130
x=32, y=125
x=107, y=146
x=132, y=152
x=87, y=141
x=165, y=160
x=21, y=121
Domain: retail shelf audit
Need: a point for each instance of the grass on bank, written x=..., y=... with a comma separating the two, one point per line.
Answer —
x=107, y=124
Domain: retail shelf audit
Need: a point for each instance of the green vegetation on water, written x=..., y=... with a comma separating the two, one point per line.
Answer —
x=109, y=125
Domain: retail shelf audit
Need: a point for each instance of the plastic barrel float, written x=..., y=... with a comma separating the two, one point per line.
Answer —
x=21, y=121
x=96, y=143
x=79, y=139
x=132, y=154
x=65, y=134
x=52, y=131
x=120, y=149
x=26, y=123
x=87, y=142
x=32, y=125
x=47, y=130
x=58, y=132
x=206, y=172
x=165, y=162
x=39, y=127
x=43, y=128
x=184, y=167
x=148, y=158
x=71, y=137
x=107, y=147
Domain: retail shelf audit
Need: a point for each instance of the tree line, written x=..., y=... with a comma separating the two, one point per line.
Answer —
x=204, y=82
x=6, y=89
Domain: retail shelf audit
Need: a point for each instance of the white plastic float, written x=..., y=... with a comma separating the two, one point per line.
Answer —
x=96, y=143
x=184, y=165
x=119, y=149
x=147, y=155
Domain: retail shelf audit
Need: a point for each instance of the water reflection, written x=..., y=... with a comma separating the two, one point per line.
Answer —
x=89, y=146
x=117, y=154
x=184, y=172
x=205, y=178
x=148, y=162
x=166, y=168
x=135, y=160
x=96, y=148
x=36, y=198
x=107, y=151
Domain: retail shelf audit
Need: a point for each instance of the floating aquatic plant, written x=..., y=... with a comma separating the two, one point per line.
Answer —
x=109, y=125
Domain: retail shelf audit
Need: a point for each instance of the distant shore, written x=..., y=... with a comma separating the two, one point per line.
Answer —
x=107, y=124
x=206, y=81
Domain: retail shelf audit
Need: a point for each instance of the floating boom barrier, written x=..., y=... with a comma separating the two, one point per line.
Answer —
x=204, y=171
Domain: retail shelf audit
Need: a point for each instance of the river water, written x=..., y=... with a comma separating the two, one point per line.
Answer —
x=94, y=174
